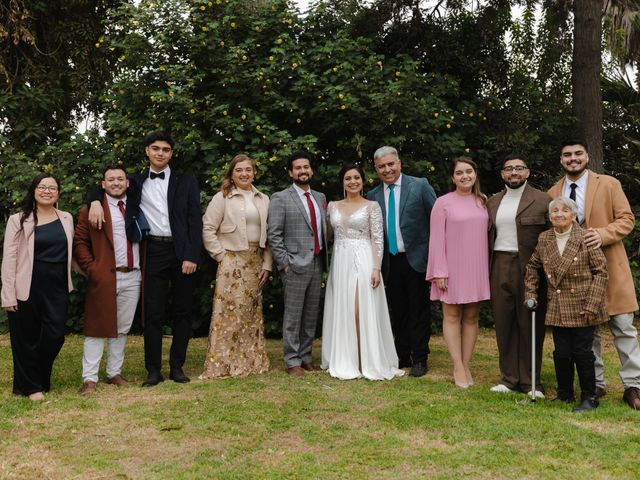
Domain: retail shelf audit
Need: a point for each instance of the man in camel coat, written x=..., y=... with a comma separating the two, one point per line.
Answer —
x=603, y=209
x=110, y=258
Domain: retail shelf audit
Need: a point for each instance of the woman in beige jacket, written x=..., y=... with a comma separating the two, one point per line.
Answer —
x=235, y=235
x=36, y=281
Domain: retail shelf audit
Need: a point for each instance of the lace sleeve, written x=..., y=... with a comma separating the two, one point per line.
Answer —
x=376, y=231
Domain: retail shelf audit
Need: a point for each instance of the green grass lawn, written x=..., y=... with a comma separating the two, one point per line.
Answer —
x=274, y=426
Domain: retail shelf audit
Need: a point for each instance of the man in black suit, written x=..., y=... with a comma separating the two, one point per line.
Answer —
x=170, y=201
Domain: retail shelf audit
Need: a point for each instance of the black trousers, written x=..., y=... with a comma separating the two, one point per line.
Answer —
x=410, y=308
x=163, y=282
x=573, y=341
x=37, y=328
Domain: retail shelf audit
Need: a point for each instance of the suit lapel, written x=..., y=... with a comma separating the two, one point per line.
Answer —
x=568, y=256
x=493, y=207
x=295, y=198
x=592, y=187
x=108, y=229
x=525, y=201
x=405, y=189
x=173, y=185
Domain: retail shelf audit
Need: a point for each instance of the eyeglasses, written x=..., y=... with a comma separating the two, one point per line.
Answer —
x=47, y=188
x=519, y=168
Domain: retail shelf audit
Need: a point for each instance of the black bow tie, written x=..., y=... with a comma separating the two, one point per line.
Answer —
x=153, y=175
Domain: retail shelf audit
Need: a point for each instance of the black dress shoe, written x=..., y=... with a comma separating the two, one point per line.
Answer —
x=153, y=379
x=419, y=369
x=404, y=363
x=587, y=403
x=178, y=376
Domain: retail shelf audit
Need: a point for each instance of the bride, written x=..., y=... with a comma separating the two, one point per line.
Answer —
x=356, y=332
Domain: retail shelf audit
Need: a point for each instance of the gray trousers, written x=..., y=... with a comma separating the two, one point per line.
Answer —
x=625, y=338
x=302, y=295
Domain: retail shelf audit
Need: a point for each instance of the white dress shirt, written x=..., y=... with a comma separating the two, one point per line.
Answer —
x=396, y=195
x=155, y=205
x=581, y=192
x=303, y=199
x=120, y=234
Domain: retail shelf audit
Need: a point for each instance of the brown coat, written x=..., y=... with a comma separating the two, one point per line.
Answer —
x=577, y=280
x=93, y=251
x=607, y=210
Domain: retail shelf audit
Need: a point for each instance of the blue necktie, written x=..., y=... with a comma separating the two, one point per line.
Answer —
x=391, y=222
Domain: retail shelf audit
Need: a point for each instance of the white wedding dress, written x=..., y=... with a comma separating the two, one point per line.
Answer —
x=357, y=250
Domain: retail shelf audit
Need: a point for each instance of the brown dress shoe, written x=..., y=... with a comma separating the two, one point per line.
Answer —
x=632, y=397
x=118, y=380
x=309, y=367
x=296, y=371
x=600, y=392
x=88, y=388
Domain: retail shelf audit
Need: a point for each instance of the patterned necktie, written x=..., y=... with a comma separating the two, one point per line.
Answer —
x=391, y=221
x=314, y=226
x=572, y=195
x=129, y=245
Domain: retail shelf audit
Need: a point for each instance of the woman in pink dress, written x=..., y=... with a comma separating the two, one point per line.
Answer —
x=458, y=266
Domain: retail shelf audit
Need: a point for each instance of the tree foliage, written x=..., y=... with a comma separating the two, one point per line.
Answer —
x=231, y=76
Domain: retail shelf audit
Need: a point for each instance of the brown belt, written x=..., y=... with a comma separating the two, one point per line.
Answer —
x=126, y=269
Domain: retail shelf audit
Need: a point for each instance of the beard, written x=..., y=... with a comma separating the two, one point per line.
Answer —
x=300, y=181
x=516, y=186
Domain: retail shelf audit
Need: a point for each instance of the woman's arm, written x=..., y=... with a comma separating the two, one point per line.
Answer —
x=211, y=223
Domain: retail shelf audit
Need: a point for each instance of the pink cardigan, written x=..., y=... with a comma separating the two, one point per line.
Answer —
x=17, y=257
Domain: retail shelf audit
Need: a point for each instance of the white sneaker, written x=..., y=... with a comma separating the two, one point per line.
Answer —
x=501, y=388
x=538, y=394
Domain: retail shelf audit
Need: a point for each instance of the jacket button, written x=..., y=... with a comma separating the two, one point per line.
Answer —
x=113, y=270
x=557, y=291
x=575, y=259
x=572, y=290
x=549, y=276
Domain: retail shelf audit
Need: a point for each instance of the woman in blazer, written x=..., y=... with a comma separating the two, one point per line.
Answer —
x=36, y=281
x=577, y=280
x=235, y=235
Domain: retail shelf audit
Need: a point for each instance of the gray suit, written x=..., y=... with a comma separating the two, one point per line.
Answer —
x=404, y=273
x=291, y=241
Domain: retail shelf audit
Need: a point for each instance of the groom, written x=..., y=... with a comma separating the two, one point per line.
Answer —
x=406, y=204
x=296, y=230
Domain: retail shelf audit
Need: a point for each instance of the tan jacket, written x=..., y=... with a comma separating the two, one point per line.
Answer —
x=607, y=210
x=18, y=254
x=225, y=226
x=577, y=280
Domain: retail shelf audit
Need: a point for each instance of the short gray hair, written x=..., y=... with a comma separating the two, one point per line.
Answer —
x=564, y=202
x=384, y=151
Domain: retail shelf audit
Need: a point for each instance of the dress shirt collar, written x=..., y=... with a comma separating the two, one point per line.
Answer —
x=397, y=183
x=114, y=201
x=300, y=191
x=167, y=172
x=581, y=182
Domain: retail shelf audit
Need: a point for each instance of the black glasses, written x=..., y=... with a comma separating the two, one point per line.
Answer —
x=519, y=168
x=47, y=188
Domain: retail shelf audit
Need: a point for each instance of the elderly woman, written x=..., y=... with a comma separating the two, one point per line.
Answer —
x=235, y=235
x=458, y=263
x=36, y=281
x=577, y=279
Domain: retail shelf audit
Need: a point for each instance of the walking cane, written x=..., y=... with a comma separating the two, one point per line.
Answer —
x=531, y=305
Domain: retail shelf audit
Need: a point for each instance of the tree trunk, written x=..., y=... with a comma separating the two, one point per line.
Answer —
x=585, y=75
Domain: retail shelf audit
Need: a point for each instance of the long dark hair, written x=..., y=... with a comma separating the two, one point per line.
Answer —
x=481, y=197
x=227, y=183
x=351, y=166
x=28, y=204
